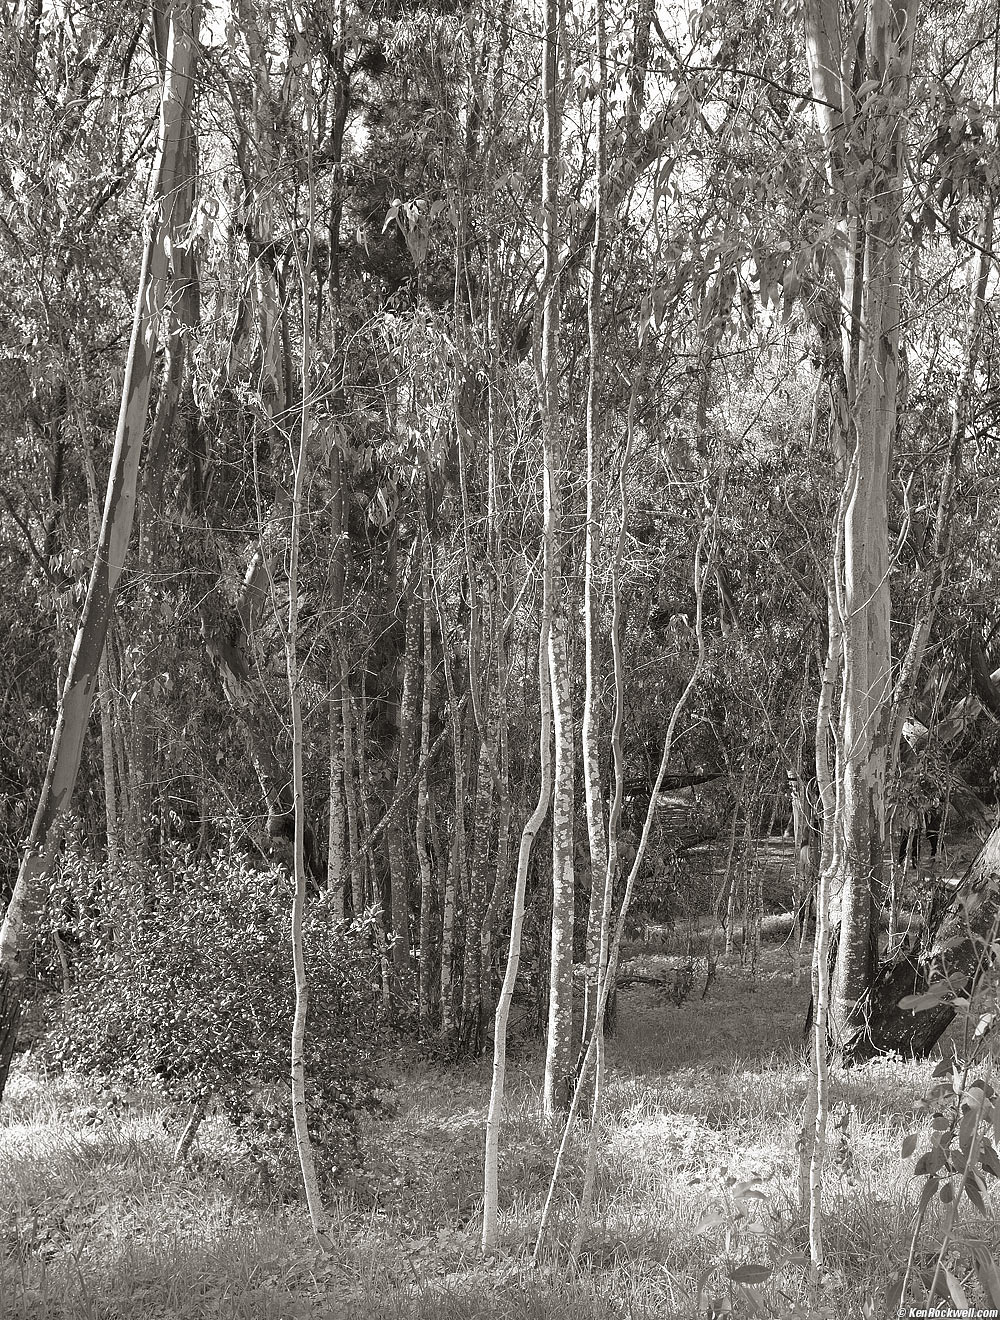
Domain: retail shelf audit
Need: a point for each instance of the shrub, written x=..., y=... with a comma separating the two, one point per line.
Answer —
x=195, y=991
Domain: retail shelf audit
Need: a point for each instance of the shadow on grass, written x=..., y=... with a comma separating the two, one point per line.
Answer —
x=740, y=1021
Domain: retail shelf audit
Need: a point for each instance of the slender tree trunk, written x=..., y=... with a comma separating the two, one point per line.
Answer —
x=83, y=674
x=105, y=693
x=590, y=727
x=559, y=1071
x=427, y=951
x=453, y=878
x=358, y=858
x=195, y=1120
x=475, y=911
x=399, y=861
x=529, y=834
x=602, y=859
x=487, y=986
x=337, y=862
x=558, y=1081
x=300, y=1112
x=812, y=1138
x=703, y=568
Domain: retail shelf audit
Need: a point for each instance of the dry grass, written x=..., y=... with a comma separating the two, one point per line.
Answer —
x=96, y=1223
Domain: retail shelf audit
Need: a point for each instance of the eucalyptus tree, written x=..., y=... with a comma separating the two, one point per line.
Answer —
x=179, y=22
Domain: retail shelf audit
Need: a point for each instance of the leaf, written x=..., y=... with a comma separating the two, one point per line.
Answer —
x=909, y=1145
x=750, y=1273
x=988, y=1275
x=955, y=1289
x=967, y=1129
x=749, y=1190
x=989, y=1160
x=645, y=314
x=710, y=1219
x=930, y=998
x=974, y=1191
x=929, y=1162
x=754, y=1300
x=926, y=1196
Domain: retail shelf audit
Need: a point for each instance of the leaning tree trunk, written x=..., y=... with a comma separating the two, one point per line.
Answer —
x=77, y=695
x=953, y=958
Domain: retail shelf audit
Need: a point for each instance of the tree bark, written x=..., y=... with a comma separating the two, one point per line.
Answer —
x=868, y=180
x=559, y=1071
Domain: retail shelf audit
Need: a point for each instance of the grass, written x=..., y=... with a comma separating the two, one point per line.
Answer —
x=97, y=1223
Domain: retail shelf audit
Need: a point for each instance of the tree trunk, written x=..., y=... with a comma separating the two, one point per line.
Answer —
x=336, y=861
x=868, y=178
x=453, y=882
x=959, y=950
x=559, y=1071
x=470, y=1032
x=399, y=861
x=357, y=856
x=300, y=1112
x=424, y=807
x=116, y=529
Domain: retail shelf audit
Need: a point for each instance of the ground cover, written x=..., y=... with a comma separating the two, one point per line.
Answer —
x=697, y=1178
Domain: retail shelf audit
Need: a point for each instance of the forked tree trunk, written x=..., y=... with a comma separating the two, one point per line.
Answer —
x=81, y=682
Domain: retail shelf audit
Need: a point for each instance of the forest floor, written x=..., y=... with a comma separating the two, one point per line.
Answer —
x=97, y=1223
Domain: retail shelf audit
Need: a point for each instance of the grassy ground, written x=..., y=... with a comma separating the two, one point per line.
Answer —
x=96, y=1223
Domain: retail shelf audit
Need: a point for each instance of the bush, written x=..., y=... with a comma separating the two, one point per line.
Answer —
x=195, y=991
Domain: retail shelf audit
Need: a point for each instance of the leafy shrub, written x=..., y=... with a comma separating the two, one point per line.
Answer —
x=194, y=989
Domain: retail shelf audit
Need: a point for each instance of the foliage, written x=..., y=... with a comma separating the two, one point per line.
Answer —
x=959, y=1161
x=193, y=987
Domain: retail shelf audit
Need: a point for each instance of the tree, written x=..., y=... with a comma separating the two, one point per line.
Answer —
x=864, y=146
x=181, y=18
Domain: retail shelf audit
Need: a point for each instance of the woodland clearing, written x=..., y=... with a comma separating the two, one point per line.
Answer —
x=703, y=1101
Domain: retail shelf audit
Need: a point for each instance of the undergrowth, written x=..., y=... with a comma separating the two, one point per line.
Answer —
x=696, y=1184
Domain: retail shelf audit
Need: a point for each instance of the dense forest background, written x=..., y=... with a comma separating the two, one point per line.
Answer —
x=476, y=478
